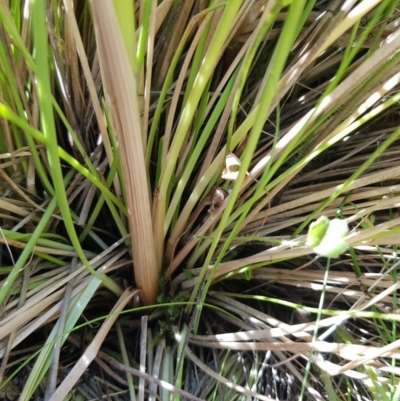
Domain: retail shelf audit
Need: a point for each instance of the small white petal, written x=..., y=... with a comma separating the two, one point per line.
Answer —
x=331, y=248
x=337, y=228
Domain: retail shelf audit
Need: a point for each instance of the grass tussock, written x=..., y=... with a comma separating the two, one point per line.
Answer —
x=160, y=165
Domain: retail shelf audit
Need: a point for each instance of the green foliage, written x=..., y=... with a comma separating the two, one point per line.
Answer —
x=169, y=314
x=317, y=231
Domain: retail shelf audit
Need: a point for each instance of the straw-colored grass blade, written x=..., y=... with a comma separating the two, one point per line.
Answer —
x=91, y=352
x=121, y=95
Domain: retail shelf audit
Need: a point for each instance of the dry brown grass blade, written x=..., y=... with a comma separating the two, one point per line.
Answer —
x=74, y=30
x=156, y=368
x=179, y=84
x=91, y=352
x=50, y=251
x=54, y=367
x=315, y=196
x=143, y=355
x=121, y=96
x=148, y=67
x=352, y=15
x=190, y=354
x=350, y=352
x=172, y=35
x=44, y=303
x=347, y=351
x=375, y=353
x=136, y=372
x=12, y=207
x=279, y=330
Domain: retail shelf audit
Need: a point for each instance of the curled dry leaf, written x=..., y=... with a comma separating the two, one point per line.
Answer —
x=232, y=165
x=218, y=198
